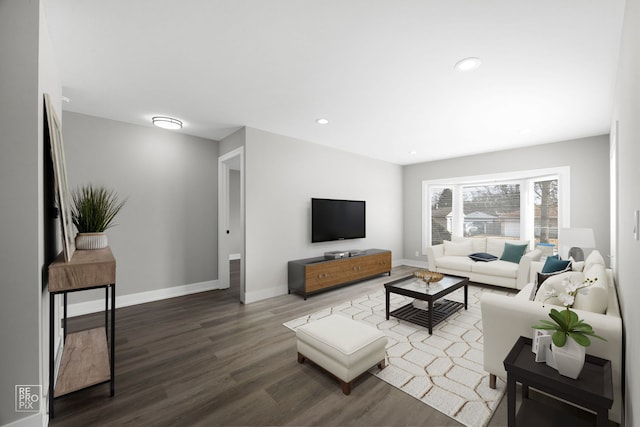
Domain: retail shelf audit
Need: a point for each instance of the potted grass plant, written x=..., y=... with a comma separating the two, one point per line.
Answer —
x=93, y=211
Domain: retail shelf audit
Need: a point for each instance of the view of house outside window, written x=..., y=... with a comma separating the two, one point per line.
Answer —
x=492, y=210
x=496, y=210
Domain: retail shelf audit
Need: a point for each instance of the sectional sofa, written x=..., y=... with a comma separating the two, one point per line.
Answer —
x=505, y=318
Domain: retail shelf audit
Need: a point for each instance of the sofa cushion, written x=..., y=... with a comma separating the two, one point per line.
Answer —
x=455, y=263
x=594, y=258
x=513, y=253
x=556, y=265
x=483, y=257
x=478, y=244
x=462, y=248
x=495, y=245
x=596, y=297
x=496, y=268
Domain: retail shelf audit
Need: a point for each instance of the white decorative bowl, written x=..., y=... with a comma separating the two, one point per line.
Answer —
x=91, y=241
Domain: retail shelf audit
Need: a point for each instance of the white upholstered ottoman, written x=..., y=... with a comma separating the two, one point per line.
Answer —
x=342, y=346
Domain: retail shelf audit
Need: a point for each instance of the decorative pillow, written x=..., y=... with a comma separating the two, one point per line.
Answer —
x=555, y=283
x=576, y=265
x=555, y=265
x=593, y=258
x=539, y=281
x=596, y=297
x=513, y=253
x=478, y=244
x=457, y=248
x=483, y=256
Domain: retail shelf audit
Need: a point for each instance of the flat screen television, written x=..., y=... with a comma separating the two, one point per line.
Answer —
x=337, y=219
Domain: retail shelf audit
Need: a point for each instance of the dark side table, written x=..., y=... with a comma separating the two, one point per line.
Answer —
x=592, y=390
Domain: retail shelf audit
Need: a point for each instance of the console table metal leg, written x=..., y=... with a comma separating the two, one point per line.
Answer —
x=430, y=317
x=52, y=299
x=113, y=338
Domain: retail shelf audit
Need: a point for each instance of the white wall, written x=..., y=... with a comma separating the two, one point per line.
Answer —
x=588, y=159
x=27, y=70
x=627, y=112
x=167, y=233
x=282, y=175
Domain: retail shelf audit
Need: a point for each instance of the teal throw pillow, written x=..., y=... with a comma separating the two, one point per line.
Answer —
x=556, y=265
x=513, y=253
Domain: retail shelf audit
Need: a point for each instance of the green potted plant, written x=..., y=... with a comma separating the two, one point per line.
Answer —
x=570, y=333
x=93, y=212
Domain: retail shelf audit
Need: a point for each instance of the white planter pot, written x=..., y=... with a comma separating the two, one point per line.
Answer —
x=569, y=358
x=91, y=241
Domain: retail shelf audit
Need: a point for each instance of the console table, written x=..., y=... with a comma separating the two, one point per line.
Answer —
x=312, y=275
x=87, y=360
x=593, y=390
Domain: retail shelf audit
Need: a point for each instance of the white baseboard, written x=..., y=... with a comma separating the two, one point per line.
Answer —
x=411, y=263
x=40, y=419
x=263, y=294
x=78, y=309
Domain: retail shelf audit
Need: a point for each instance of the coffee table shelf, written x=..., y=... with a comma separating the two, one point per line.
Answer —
x=438, y=308
x=441, y=310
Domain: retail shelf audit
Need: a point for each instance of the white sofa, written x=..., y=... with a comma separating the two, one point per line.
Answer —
x=453, y=258
x=505, y=318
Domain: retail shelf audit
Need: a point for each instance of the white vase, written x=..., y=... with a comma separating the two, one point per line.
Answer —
x=91, y=241
x=569, y=358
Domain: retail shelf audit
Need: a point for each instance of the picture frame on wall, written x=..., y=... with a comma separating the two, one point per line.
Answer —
x=63, y=196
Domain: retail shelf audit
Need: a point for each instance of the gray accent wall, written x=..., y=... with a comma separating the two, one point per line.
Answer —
x=282, y=175
x=627, y=112
x=588, y=159
x=27, y=70
x=167, y=233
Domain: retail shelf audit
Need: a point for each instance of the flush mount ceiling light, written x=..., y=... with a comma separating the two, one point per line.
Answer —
x=468, y=64
x=322, y=121
x=167, y=122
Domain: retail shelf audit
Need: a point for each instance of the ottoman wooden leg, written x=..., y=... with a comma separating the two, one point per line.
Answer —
x=346, y=387
x=492, y=381
x=301, y=358
x=382, y=364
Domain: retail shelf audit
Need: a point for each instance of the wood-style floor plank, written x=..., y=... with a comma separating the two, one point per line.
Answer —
x=206, y=359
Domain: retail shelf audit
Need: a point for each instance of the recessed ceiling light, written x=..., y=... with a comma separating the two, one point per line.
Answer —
x=66, y=99
x=525, y=131
x=413, y=152
x=322, y=121
x=167, y=122
x=468, y=64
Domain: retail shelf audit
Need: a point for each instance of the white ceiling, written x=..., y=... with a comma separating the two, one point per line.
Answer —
x=380, y=70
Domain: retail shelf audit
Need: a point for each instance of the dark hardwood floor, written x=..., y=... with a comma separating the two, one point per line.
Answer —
x=206, y=359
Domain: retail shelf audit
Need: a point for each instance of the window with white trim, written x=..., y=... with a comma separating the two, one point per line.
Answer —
x=523, y=205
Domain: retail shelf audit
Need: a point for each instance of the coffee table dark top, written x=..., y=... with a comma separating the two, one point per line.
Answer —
x=413, y=287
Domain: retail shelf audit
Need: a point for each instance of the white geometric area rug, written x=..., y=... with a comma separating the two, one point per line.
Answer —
x=443, y=370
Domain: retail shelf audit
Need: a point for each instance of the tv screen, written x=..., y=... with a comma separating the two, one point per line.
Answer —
x=337, y=220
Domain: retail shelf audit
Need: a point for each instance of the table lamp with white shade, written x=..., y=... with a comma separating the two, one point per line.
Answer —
x=576, y=239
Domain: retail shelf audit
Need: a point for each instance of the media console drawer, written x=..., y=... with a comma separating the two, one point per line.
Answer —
x=308, y=276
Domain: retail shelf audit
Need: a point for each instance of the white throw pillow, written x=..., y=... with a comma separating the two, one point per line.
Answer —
x=593, y=258
x=478, y=244
x=576, y=265
x=463, y=248
x=597, y=297
x=555, y=283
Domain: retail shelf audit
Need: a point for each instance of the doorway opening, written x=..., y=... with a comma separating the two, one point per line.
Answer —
x=231, y=250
